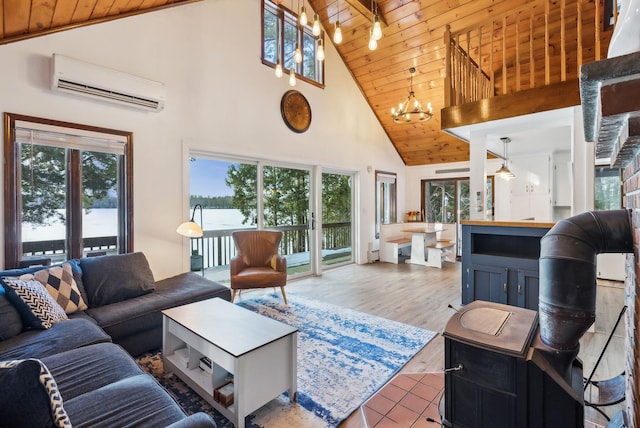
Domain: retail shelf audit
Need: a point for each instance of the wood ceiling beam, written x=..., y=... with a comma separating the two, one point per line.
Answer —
x=365, y=7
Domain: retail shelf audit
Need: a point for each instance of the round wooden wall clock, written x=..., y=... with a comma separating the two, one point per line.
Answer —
x=296, y=111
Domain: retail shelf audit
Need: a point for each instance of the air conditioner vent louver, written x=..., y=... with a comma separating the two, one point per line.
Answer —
x=84, y=79
x=102, y=93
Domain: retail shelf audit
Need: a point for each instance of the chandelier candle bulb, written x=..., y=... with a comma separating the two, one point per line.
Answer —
x=316, y=25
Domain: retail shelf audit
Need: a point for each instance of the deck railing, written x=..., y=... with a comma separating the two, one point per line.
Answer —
x=538, y=44
x=216, y=246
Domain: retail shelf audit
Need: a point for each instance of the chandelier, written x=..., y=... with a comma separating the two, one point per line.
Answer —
x=411, y=110
x=504, y=172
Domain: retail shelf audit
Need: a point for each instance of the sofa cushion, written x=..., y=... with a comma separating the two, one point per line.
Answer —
x=60, y=284
x=133, y=401
x=63, y=336
x=136, y=324
x=10, y=321
x=81, y=370
x=114, y=278
x=29, y=396
x=36, y=306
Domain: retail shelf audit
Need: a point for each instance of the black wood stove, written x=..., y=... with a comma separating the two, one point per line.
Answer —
x=516, y=368
x=499, y=378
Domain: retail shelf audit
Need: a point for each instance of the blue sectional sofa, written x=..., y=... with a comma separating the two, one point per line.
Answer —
x=112, y=314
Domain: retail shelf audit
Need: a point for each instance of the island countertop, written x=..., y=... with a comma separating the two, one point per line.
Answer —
x=509, y=223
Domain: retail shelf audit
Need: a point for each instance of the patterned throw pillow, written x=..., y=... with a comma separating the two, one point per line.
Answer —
x=59, y=282
x=36, y=306
x=29, y=381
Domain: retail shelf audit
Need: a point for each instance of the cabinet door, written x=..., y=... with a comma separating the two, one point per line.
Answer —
x=528, y=289
x=486, y=283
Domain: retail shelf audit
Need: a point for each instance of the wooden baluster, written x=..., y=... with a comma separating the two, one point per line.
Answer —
x=563, y=47
x=518, y=51
x=468, y=71
x=547, y=71
x=447, y=66
x=579, y=35
x=504, y=55
x=491, y=75
x=598, y=27
x=532, y=67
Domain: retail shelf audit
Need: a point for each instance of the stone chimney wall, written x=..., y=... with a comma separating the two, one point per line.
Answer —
x=631, y=177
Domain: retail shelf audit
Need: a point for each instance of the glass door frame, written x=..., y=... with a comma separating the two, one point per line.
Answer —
x=191, y=149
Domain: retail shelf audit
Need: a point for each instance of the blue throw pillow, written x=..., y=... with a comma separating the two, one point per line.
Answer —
x=29, y=396
x=36, y=306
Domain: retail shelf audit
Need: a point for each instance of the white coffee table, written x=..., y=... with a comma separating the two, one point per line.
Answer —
x=259, y=352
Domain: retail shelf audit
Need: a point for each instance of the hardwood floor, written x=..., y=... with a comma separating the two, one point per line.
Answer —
x=420, y=296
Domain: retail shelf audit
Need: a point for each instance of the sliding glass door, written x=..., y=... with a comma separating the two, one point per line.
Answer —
x=337, y=218
x=286, y=195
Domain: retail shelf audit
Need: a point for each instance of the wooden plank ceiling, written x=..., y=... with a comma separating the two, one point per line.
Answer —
x=412, y=37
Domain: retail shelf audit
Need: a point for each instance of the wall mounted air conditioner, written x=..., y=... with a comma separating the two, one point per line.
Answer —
x=81, y=78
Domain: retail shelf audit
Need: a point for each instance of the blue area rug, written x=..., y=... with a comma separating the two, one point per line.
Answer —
x=344, y=356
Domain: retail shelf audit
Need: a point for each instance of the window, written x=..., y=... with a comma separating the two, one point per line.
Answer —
x=68, y=190
x=608, y=188
x=280, y=36
x=386, y=203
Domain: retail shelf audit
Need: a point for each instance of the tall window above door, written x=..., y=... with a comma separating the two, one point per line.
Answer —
x=281, y=34
x=68, y=190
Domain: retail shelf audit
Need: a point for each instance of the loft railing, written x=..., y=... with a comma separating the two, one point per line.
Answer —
x=538, y=44
x=217, y=246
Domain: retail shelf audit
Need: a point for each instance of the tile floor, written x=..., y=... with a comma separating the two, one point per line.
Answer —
x=407, y=401
x=410, y=401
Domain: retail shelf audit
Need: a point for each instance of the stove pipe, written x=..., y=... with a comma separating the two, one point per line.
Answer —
x=567, y=304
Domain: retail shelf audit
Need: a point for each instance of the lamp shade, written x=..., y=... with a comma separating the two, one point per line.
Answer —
x=190, y=229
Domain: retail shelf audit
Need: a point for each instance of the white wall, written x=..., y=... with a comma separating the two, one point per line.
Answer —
x=220, y=98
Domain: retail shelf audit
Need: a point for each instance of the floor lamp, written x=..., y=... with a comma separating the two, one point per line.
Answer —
x=192, y=230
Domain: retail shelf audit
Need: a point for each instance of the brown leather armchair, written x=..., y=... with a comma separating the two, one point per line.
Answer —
x=257, y=263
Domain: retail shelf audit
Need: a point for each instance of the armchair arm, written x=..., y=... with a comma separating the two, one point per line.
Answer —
x=236, y=264
x=279, y=263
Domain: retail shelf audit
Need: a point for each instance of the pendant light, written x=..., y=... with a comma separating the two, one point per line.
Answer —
x=315, y=30
x=320, y=53
x=373, y=43
x=297, y=55
x=292, y=77
x=375, y=33
x=504, y=172
x=303, y=15
x=278, y=70
x=337, y=35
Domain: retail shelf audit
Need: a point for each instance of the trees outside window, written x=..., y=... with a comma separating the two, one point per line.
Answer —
x=68, y=190
x=281, y=33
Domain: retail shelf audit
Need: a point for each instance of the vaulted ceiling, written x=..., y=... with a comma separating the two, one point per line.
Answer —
x=413, y=36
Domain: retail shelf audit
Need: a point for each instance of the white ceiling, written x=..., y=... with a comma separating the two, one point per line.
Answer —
x=544, y=132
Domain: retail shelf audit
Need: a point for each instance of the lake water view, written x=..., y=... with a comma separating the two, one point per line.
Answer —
x=103, y=222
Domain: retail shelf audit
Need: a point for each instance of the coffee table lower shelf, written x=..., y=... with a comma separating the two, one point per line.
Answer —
x=198, y=380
